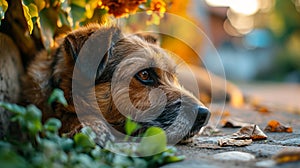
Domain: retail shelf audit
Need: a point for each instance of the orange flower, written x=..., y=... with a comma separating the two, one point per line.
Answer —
x=158, y=6
x=120, y=8
x=156, y=11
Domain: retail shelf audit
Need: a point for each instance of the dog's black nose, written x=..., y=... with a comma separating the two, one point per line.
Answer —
x=202, y=115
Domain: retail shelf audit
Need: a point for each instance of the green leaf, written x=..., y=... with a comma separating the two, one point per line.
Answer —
x=30, y=11
x=52, y=125
x=97, y=152
x=57, y=95
x=62, y=20
x=14, y=108
x=77, y=14
x=153, y=142
x=79, y=3
x=33, y=119
x=172, y=159
x=67, y=144
x=148, y=3
x=121, y=161
x=41, y=4
x=33, y=10
x=9, y=158
x=33, y=113
x=83, y=141
x=27, y=2
x=90, y=7
x=3, y=8
x=48, y=20
x=131, y=126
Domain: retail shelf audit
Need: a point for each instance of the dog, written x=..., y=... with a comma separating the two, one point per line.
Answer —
x=107, y=77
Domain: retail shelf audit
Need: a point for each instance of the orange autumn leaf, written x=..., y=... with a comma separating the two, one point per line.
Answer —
x=226, y=113
x=263, y=110
x=287, y=155
x=259, y=107
x=275, y=126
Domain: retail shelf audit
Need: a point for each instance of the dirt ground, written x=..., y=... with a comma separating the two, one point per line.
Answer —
x=265, y=102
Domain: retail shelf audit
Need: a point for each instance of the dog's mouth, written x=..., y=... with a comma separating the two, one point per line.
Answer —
x=201, y=120
x=194, y=130
x=184, y=133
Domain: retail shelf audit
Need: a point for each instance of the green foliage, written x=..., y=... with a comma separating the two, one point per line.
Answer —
x=47, y=19
x=154, y=141
x=9, y=158
x=57, y=96
x=49, y=16
x=29, y=118
x=46, y=148
x=131, y=127
x=30, y=12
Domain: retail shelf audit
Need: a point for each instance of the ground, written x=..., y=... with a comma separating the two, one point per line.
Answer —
x=282, y=101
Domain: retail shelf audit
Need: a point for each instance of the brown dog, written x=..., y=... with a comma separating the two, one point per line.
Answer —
x=106, y=77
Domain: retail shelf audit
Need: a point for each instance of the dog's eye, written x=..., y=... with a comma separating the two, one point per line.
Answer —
x=145, y=77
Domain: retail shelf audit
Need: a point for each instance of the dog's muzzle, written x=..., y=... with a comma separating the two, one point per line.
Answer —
x=203, y=116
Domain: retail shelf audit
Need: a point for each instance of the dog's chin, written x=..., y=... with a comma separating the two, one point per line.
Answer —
x=189, y=137
x=167, y=119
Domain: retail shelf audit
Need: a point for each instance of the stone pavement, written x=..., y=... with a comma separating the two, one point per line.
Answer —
x=266, y=102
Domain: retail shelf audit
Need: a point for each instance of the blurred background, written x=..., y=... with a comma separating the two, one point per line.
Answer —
x=256, y=39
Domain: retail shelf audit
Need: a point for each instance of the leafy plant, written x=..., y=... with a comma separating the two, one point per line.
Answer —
x=57, y=95
x=50, y=17
x=46, y=148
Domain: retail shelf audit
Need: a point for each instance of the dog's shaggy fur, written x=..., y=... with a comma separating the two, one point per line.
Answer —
x=134, y=77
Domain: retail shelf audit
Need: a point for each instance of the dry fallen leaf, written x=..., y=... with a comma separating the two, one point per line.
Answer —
x=250, y=132
x=233, y=123
x=262, y=109
x=287, y=155
x=256, y=104
x=234, y=142
x=207, y=146
x=226, y=113
x=275, y=126
x=208, y=131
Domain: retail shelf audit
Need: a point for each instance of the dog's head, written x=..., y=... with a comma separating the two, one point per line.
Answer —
x=133, y=77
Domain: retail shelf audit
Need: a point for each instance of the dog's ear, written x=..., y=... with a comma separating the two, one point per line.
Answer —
x=150, y=38
x=75, y=40
x=90, y=49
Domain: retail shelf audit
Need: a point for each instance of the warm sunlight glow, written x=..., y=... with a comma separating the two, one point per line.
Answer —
x=248, y=7
x=218, y=3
